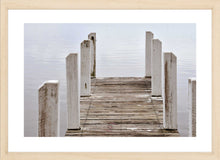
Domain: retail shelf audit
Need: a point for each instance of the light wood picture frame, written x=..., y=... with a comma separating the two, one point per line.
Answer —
x=6, y=5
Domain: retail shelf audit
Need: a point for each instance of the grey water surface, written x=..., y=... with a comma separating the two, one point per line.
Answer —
x=120, y=53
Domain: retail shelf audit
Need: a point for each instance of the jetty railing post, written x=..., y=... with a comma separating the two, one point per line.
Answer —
x=156, y=68
x=48, y=99
x=73, y=92
x=148, y=53
x=85, y=68
x=192, y=106
x=92, y=37
x=170, y=96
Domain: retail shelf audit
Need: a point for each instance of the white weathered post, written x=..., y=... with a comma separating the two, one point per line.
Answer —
x=148, y=53
x=192, y=106
x=170, y=96
x=85, y=68
x=48, y=120
x=92, y=37
x=156, y=68
x=73, y=92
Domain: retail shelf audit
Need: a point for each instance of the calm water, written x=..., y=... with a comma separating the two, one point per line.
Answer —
x=120, y=53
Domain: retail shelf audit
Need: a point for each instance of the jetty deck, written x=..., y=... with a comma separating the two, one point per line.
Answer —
x=121, y=106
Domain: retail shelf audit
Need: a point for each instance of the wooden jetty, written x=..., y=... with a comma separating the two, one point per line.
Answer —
x=116, y=106
x=121, y=106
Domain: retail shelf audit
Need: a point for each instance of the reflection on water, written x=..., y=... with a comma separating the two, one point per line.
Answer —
x=120, y=52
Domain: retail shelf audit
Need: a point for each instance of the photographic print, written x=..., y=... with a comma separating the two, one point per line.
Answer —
x=110, y=79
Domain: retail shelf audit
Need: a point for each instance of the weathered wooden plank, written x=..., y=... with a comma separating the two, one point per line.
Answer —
x=119, y=121
x=126, y=132
x=125, y=126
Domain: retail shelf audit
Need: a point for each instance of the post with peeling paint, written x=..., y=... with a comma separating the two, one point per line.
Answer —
x=148, y=53
x=85, y=68
x=170, y=96
x=156, y=69
x=48, y=120
x=192, y=106
x=73, y=92
x=92, y=37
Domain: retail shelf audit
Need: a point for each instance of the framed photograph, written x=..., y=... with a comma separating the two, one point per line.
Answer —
x=109, y=79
